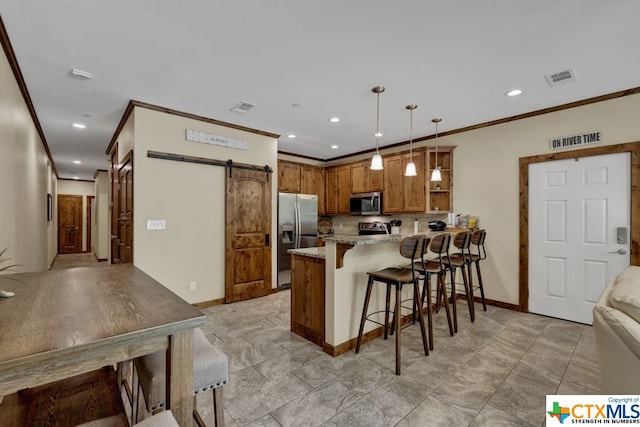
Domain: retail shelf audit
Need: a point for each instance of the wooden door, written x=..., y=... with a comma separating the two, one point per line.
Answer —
x=69, y=224
x=248, y=235
x=113, y=170
x=89, y=222
x=576, y=207
x=124, y=219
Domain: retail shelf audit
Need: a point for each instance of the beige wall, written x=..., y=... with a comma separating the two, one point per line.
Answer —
x=79, y=188
x=190, y=198
x=26, y=179
x=486, y=175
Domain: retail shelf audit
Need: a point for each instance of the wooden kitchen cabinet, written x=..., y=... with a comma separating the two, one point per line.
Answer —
x=440, y=194
x=288, y=177
x=365, y=180
x=307, y=298
x=300, y=178
x=404, y=194
x=338, y=187
x=312, y=182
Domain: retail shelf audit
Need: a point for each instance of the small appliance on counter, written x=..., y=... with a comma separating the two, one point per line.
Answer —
x=370, y=228
x=437, y=225
x=395, y=226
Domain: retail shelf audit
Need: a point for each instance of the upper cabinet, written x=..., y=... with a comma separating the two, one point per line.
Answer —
x=312, y=182
x=440, y=197
x=404, y=194
x=338, y=186
x=288, y=177
x=365, y=180
x=401, y=194
x=300, y=178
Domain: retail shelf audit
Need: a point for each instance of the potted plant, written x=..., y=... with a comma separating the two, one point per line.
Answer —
x=4, y=260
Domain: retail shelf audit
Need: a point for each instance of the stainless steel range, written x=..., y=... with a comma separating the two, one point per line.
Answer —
x=377, y=227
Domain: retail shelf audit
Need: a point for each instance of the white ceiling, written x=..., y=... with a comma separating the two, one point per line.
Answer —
x=455, y=59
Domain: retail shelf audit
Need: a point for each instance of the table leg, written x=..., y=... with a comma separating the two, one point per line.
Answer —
x=180, y=377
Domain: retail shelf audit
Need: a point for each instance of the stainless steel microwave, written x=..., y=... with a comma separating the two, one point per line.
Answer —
x=365, y=204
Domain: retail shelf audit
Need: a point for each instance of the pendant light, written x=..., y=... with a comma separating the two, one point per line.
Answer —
x=411, y=167
x=436, y=175
x=376, y=161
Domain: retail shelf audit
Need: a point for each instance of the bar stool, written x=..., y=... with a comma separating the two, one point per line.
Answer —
x=413, y=249
x=477, y=240
x=462, y=260
x=439, y=245
x=210, y=372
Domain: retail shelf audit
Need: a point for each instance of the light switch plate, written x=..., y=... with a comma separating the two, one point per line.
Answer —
x=156, y=224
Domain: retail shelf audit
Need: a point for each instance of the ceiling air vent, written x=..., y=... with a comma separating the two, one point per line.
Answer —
x=242, y=107
x=561, y=77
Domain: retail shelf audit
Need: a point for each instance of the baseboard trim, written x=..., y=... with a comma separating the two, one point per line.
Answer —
x=210, y=303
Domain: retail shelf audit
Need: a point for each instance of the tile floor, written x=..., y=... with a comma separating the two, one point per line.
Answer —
x=494, y=372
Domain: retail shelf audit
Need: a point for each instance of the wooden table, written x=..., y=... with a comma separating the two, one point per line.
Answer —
x=62, y=323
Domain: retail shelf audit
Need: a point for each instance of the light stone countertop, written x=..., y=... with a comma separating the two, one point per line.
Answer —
x=318, y=252
x=370, y=240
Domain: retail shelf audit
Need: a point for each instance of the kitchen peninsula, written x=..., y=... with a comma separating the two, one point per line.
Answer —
x=329, y=283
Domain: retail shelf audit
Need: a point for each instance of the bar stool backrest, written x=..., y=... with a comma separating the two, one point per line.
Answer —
x=439, y=244
x=462, y=241
x=477, y=239
x=414, y=248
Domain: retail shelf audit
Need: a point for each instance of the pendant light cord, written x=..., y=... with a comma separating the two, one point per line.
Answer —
x=436, y=121
x=411, y=136
x=378, y=123
x=436, y=165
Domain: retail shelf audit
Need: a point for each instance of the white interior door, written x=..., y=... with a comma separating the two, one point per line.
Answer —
x=576, y=209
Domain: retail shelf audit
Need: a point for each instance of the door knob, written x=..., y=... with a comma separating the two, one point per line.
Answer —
x=619, y=251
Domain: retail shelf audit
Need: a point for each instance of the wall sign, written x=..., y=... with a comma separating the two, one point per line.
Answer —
x=222, y=141
x=578, y=140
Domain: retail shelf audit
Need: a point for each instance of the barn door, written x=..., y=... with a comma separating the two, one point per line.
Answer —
x=248, y=235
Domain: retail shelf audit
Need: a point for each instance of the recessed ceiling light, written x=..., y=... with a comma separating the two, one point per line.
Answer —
x=77, y=162
x=334, y=147
x=334, y=119
x=81, y=73
x=377, y=135
x=291, y=136
x=76, y=177
x=79, y=126
x=514, y=92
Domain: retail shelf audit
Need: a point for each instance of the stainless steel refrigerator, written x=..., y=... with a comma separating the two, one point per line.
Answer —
x=297, y=228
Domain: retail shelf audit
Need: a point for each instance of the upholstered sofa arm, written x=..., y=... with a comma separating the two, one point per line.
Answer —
x=625, y=327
